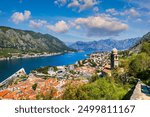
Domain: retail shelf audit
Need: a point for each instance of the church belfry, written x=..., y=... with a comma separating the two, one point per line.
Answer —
x=114, y=58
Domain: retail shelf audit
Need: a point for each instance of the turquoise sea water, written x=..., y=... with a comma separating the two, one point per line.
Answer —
x=9, y=67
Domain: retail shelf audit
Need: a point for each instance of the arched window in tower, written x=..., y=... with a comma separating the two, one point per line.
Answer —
x=116, y=57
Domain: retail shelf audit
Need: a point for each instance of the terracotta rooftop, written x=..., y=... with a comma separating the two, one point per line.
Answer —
x=23, y=90
x=3, y=93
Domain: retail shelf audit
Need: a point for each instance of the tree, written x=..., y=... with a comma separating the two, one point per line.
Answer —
x=71, y=91
x=101, y=89
x=94, y=78
x=139, y=64
x=146, y=48
x=49, y=95
x=144, y=75
x=43, y=70
x=34, y=86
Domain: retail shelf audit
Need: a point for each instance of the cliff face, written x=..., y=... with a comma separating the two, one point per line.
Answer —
x=29, y=41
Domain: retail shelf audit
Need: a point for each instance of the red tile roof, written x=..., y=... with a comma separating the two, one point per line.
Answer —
x=4, y=92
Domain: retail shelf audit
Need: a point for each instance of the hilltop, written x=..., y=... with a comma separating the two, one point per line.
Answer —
x=138, y=46
x=24, y=41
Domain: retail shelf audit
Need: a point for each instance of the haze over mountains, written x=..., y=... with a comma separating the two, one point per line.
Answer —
x=29, y=41
x=104, y=45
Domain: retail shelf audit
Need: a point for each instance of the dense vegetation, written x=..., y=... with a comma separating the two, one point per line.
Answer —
x=43, y=70
x=20, y=41
x=101, y=89
x=49, y=95
x=7, y=52
x=139, y=66
x=133, y=66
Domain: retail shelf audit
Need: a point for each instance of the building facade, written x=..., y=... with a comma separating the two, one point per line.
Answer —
x=114, y=59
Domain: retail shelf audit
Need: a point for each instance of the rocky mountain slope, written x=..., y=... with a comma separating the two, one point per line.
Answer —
x=29, y=41
x=104, y=45
x=137, y=47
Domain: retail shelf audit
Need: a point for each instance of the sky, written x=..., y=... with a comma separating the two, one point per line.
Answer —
x=78, y=20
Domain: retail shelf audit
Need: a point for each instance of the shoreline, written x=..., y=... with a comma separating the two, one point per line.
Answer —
x=42, y=55
x=31, y=56
x=22, y=69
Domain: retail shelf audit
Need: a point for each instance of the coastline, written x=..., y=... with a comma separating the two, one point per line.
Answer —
x=31, y=56
x=39, y=56
x=71, y=67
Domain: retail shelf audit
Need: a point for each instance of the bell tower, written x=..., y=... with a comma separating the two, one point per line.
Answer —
x=114, y=58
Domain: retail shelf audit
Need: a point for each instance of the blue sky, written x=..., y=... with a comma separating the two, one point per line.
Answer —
x=78, y=20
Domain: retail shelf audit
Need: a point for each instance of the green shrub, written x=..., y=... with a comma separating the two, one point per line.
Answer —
x=101, y=89
x=146, y=48
x=139, y=64
x=48, y=96
x=94, y=78
x=43, y=70
x=34, y=86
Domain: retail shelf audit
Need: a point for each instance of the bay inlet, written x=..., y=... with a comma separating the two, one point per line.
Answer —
x=8, y=67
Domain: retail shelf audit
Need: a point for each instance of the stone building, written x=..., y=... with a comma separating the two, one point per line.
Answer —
x=114, y=58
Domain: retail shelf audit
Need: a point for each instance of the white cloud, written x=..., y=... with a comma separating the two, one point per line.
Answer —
x=74, y=3
x=80, y=5
x=140, y=3
x=101, y=26
x=139, y=20
x=131, y=12
x=86, y=4
x=60, y=2
x=94, y=26
x=37, y=24
x=112, y=11
x=78, y=27
x=18, y=17
x=59, y=27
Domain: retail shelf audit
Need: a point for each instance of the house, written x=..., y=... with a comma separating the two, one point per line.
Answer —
x=51, y=71
x=107, y=70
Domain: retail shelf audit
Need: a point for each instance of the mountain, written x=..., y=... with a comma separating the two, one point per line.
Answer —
x=137, y=47
x=104, y=45
x=68, y=43
x=29, y=41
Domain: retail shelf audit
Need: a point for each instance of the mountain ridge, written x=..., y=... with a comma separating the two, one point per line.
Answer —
x=30, y=41
x=105, y=44
x=138, y=46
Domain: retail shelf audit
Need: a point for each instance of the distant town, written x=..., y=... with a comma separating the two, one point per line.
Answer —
x=28, y=55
